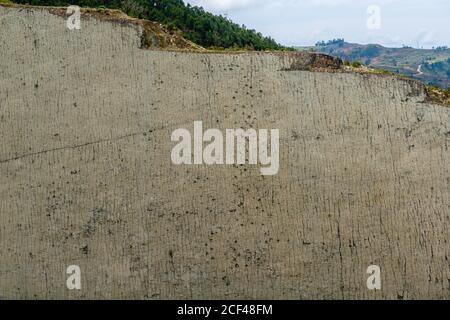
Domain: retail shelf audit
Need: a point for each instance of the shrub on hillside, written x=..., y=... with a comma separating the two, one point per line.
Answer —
x=356, y=64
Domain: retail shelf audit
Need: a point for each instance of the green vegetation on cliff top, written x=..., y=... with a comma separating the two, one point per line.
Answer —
x=196, y=24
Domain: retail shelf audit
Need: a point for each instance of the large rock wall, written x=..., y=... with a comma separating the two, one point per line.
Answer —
x=86, y=176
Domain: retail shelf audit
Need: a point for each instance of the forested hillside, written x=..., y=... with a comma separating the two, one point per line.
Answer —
x=197, y=25
x=428, y=65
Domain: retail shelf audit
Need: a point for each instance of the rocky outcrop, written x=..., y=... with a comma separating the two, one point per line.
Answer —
x=308, y=61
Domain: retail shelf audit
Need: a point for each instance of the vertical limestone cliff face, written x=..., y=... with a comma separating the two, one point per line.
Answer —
x=86, y=176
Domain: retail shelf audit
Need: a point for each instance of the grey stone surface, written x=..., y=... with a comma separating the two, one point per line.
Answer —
x=86, y=176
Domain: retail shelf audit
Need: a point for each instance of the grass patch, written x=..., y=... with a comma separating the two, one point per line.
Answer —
x=439, y=94
x=356, y=64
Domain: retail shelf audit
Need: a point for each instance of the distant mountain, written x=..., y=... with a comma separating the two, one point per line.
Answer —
x=197, y=25
x=428, y=65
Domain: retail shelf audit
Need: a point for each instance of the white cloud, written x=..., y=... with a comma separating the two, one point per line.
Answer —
x=425, y=38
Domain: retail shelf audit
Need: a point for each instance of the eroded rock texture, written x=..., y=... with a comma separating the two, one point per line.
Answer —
x=86, y=176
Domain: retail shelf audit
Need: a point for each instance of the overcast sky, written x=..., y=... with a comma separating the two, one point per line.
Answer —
x=392, y=23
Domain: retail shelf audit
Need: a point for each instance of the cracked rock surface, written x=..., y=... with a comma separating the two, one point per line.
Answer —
x=86, y=177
